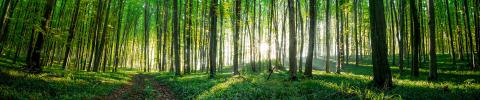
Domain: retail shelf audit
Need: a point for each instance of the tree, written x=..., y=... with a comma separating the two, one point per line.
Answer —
x=117, y=44
x=452, y=47
x=101, y=46
x=381, y=71
x=415, y=39
x=147, y=36
x=176, y=36
x=327, y=38
x=213, y=38
x=339, y=37
x=236, y=35
x=477, y=29
x=469, y=34
x=433, y=58
x=402, y=37
x=355, y=13
x=311, y=40
x=293, y=41
x=35, y=66
x=8, y=6
x=188, y=35
x=71, y=32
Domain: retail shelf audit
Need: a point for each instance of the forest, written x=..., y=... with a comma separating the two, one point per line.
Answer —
x=239, y=49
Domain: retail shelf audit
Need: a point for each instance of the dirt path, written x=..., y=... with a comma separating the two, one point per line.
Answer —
x=140, y=88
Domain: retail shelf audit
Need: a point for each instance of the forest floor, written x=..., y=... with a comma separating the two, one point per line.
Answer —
x=455, y=82
x=142, y=87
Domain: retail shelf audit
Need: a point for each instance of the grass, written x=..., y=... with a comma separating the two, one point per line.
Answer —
x=353, y=83
x=56, y=84
x=455, y=82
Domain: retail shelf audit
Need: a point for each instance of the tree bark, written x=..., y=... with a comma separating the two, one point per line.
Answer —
x=35, y=66
x=403, y=34
x=311, y=40
x=450, y=32
x=433, y=58
x=238, y=4
x=101, y=46
x=381, y=71
x=213, y=38
x=176, y=36
x=416, y=39
x=469, y=34
x=327, y=37
x=71, y=34
x=117, y=44
x=293, y=41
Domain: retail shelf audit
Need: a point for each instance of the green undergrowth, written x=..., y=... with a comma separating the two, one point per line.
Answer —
x=353, y=83
x=54, y=83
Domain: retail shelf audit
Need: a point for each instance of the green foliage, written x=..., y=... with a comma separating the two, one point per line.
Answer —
x=353, y=83
x=54, y=84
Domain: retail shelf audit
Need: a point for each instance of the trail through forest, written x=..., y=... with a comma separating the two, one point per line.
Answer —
x=142, y=87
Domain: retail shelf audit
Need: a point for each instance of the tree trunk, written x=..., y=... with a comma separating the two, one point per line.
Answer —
x=7, y=11
x=416, y=39
x=402, y=37
x=293, y=41
x=176, y=36
x=213, y=37
x=327, y=37
x=477, y=30
x=71, y=34
x=459, y=32
x=311, y=40
x=433, y=58
x=355, y=13
x=381, y=71
x=101, y=46
x=238, y=4
x=147, y=36
x=450, y=32
x=117, y=44
x=35, y=66
x=188, y=36
x=469, y=34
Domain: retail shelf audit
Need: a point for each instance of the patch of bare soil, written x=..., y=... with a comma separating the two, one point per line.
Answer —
x=135, y=90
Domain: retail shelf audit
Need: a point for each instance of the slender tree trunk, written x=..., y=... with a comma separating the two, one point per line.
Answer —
x=101, y=46
x=459, y=32
x=213, y=37
x=416, y=39
x=271, y=28
x=327, y=37
x=117, y=44
x=7, y=11
x=477, y=29
x=469, y=34
x=188, y=36
x=311, y=40
x=381, y=71
x=339, y=38
x=164, y=45
x=402, y=37
x=355, y=12
x=450, y=32
x=433, y=58
x=293, y=41
x=393, y=20
x=147, y=36
x=71, y=34
x=176, y=36
x=236, y=34
x=35, y=66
